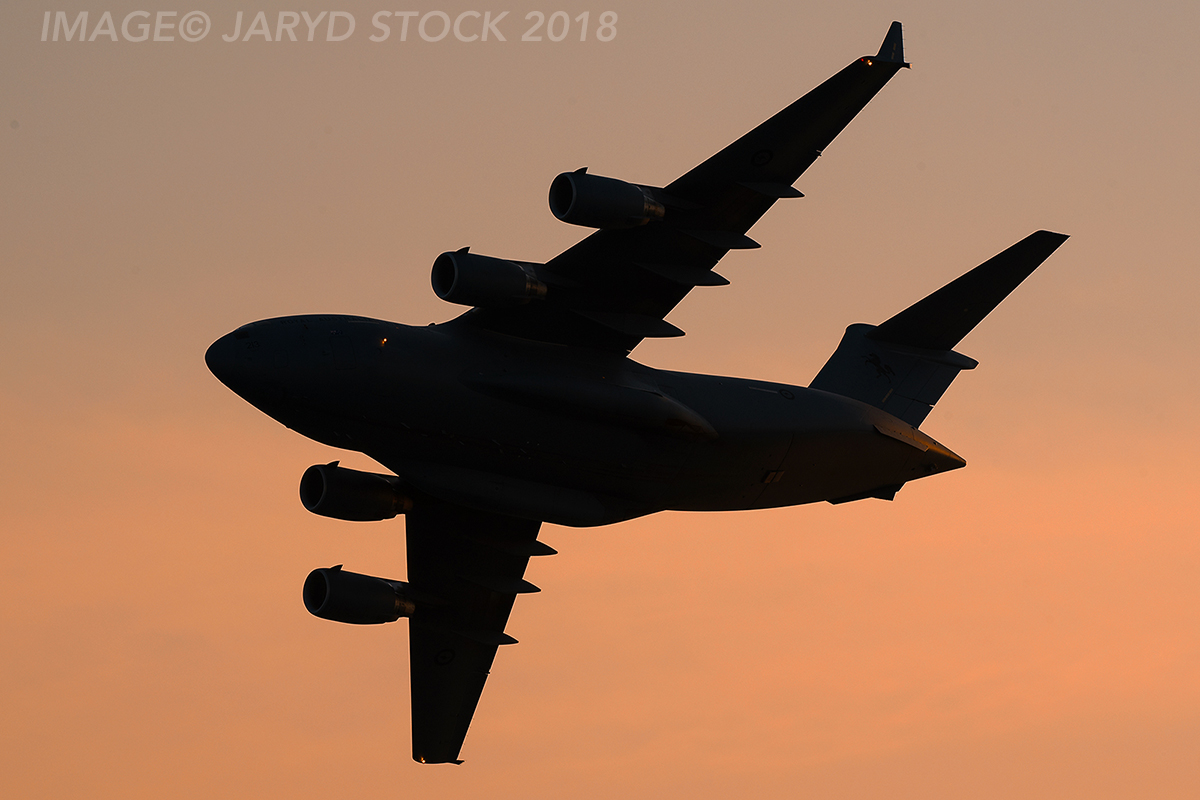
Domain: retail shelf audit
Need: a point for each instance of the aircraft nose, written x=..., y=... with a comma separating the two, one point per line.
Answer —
x=221, y=357
x=232, y=360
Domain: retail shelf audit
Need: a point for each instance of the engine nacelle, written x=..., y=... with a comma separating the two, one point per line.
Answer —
x=471, y=280
x=342, y=596
x=333, y=491
x=596, y=202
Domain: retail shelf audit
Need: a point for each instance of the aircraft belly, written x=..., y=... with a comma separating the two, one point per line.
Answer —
x=572, y=475
x=786, y=445
x=538, y=450
x=831, y=467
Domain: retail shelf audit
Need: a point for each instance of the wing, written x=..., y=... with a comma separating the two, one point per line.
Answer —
x=615, y=287
x=465, y=569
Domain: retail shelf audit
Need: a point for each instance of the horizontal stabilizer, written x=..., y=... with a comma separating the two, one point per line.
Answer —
x=905, y=365
x=942, y=319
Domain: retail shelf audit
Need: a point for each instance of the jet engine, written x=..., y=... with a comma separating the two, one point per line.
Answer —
x=596, y=202
x=333, y=491
x=342, y=596
x=471, y=280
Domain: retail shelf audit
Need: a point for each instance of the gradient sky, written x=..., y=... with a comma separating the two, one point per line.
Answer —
x=1026, y=627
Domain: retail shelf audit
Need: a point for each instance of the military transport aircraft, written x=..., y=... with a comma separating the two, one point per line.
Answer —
x=527, y=408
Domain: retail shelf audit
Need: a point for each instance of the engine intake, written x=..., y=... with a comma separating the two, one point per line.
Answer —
x=596, y=202
x=340, y=493
x=335, y=594
x=471, y=280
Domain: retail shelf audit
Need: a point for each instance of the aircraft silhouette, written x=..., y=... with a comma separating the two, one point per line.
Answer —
x=527, y=409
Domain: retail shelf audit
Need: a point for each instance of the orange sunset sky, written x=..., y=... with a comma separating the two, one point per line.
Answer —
x=1026, y=627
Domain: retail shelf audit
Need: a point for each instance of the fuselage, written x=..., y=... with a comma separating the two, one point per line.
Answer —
x=566, y=435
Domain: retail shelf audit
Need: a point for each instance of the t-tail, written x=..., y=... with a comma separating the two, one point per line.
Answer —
x=905, y=365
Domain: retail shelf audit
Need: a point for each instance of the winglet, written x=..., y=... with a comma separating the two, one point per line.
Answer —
x=892, y=49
